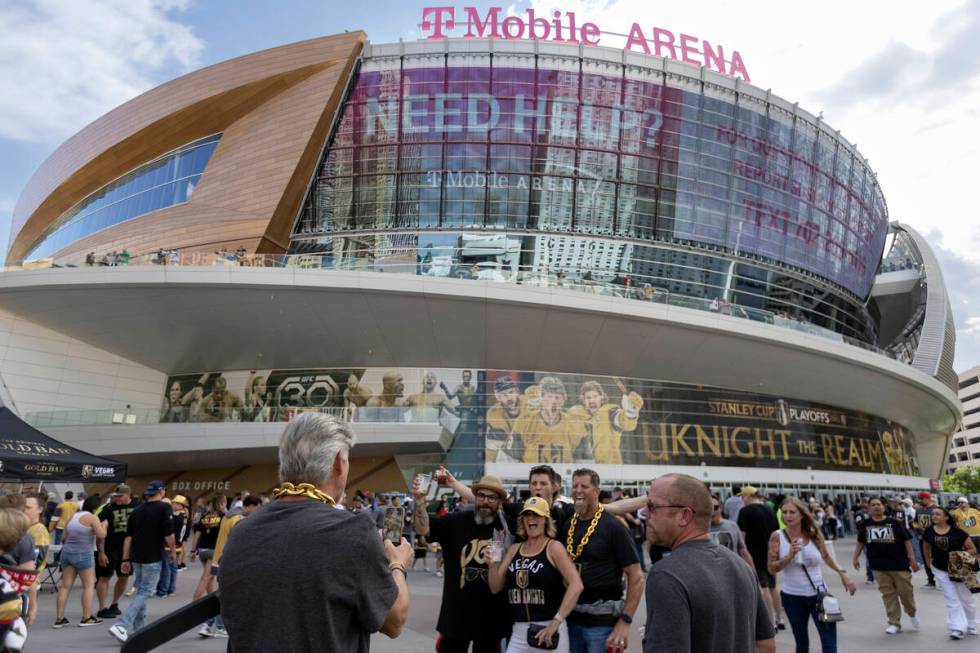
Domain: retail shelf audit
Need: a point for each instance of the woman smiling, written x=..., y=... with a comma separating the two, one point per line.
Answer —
x=541, y=582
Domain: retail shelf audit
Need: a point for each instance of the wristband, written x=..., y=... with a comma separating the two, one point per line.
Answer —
x=558, y=617
x=401, y=569
x=626, y=618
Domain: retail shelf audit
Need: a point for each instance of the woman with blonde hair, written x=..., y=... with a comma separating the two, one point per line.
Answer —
x=795, y=553
x=542, y=583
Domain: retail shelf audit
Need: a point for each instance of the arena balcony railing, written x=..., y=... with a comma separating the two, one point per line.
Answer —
x=143, y=416
x=392, y=261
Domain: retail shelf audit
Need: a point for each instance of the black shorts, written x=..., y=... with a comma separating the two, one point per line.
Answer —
x=115, y=564
x=766, y=579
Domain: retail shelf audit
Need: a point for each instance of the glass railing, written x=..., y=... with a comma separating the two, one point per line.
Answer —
x=140, y=416
x=615, y=284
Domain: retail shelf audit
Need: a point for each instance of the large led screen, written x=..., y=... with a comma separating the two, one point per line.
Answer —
x=554, y=147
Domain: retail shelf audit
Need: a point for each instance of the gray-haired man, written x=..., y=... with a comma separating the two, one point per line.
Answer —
x=332, y=582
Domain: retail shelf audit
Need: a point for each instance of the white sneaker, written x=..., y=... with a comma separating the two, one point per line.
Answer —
x=893, y=629
x=131, y=591
x=118, y=632
x=956, y=634
x=438, y=574
x=916, y=623
x=972, y=630
x=220, y=633
x=206, y=631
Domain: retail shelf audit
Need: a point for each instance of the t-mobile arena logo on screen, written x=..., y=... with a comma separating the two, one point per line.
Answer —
x=562, y=27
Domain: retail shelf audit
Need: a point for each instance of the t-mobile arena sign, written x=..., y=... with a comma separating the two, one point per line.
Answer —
x=562, y=27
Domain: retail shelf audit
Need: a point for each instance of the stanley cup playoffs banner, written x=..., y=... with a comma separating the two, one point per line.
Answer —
x=535, y=417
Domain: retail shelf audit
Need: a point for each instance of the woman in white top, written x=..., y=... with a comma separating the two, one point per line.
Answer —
x=793, y=553
x=78, y=558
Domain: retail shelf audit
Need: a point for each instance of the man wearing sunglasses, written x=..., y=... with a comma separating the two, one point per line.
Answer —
x=726, y=533
x=470, y=614
x=701, y=598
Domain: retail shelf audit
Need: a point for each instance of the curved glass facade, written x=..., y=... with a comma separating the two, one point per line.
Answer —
x=577, y=148
x=519, y=416
x=165, y=181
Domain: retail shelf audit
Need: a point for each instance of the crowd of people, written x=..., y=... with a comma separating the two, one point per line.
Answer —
x=544, y=570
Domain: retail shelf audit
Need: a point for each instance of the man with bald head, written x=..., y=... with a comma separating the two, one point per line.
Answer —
x=702, y=597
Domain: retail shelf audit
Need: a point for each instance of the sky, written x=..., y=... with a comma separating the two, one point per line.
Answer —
x=901, y=80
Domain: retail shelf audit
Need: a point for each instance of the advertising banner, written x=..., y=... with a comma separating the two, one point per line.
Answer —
x=533, y=417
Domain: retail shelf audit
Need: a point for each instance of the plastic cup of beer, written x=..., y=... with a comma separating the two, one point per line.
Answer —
x=422, y=483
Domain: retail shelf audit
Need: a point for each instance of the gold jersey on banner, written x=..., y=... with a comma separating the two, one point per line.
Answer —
x=549, y=443
x=605, y=428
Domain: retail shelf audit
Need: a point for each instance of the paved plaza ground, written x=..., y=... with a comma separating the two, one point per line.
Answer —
x=863, y=631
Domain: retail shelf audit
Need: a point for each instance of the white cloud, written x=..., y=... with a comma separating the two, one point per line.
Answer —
x=972, y=326
x=63, y=63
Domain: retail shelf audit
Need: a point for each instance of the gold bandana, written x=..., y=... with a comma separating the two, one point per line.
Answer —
x=302, y=490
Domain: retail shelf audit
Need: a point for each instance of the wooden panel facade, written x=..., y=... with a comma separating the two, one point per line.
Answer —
x=274, y=109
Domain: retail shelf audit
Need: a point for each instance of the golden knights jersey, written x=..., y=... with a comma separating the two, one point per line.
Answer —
x=605, y=429
x=544, y=443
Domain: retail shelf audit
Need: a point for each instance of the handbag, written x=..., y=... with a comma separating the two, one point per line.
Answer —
x=828, y=607
x=532, y=634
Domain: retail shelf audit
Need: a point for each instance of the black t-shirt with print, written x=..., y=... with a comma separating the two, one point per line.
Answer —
x=941, y=545
x=885, y=542
x=469, y=609
x=923, y=518
x=117, y=517
x=609, y=550
x=208, y=528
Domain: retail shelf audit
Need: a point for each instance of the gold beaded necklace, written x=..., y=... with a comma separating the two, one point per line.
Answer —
x=303, y=490
x=575, y=552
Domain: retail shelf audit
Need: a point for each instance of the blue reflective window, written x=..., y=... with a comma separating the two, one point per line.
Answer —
x=163, y=182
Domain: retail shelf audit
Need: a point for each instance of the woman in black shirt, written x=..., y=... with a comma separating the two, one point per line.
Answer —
x=938, y=541
x=541, y=581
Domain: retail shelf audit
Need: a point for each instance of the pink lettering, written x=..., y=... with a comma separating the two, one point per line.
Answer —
x=712, y=59
x=533, y=23
x=665, y=38
x=437, y=13
x=590, y=34
x=688, y=49
x=513, y=27
x=473, y=21
x=738, y=66
x=636, y=38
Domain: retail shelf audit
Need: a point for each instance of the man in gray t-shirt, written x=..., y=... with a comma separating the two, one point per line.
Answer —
x=727, y=533
x=701, y=582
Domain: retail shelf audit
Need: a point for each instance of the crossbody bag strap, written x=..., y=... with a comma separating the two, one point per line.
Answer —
x=805, y=571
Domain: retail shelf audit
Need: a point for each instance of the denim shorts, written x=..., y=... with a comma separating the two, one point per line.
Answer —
x=80, y=560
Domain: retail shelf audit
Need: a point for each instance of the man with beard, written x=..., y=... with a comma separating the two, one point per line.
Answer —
x=550, y=434
x=544, y=482
x=605, y=421
x=602, y=549
x=429, y=398
x=470, y=612
x=501, y=419
x=355, y=393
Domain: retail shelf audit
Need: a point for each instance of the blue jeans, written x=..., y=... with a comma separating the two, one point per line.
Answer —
x=168, y=579
x=587, y=639
x=799, y=610
x=146, y=578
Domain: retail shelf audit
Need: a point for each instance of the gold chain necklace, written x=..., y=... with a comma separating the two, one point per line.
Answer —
x=573, y=552
x=303, y=490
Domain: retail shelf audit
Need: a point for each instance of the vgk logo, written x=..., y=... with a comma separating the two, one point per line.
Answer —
x=87, y=471
x=881, y=535
x=522, y=578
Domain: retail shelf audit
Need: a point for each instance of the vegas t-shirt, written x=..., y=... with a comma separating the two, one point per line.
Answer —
x=885, y=542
